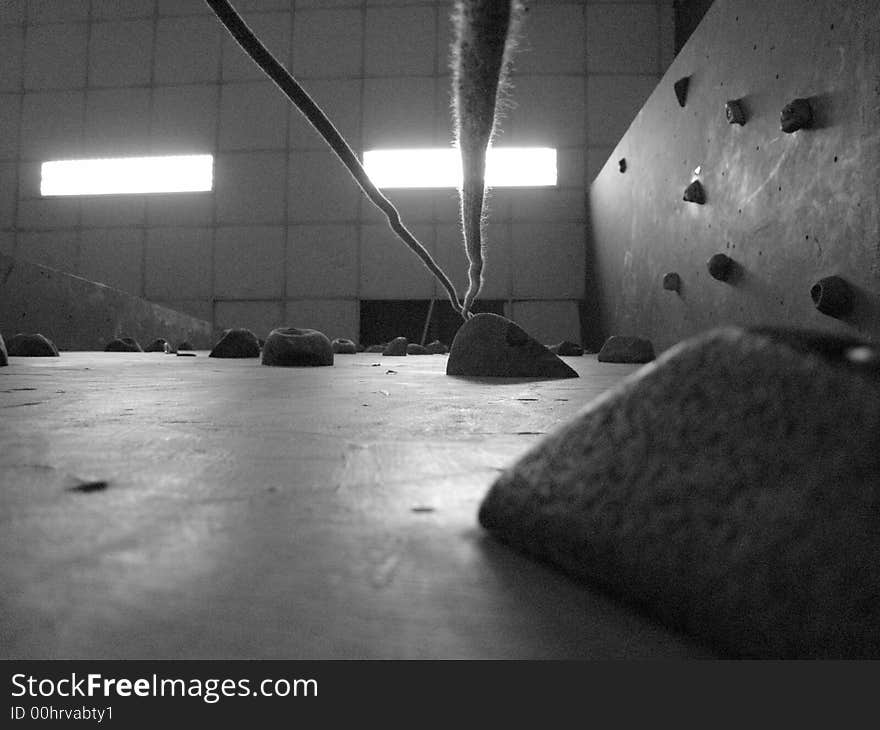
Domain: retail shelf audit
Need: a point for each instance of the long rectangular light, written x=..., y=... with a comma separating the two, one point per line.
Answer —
x=128, y=175
x=441, y=168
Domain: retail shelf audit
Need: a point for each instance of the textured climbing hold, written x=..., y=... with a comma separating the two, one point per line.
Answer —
x=436, y=348
x=294, y=347
x=621, y=164
x=670, y=492
x=343, y=346
x=396, y=348
x=237, y=342
x=832, y=296
x=123, y=344
x=490, y=345
x=567, y=348
x=720, y=266
x=681, y=89
x=735, y=112
x=4, y=360
x=694, y=193
x=31, y=345
x=797, y=114
x=672, y=282
x=414, y=348
x=619, y=349
x=158, y=345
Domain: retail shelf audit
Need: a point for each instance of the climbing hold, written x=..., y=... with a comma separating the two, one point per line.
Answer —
x=158, y=345
x=344, y=346
x=681, y=89
x=567, y=348
x=491, y=345
x=31, y=345
x=3, y=354
x=123, y=344
x=720, y=266
x=797, y=114
x=672, y=282
x=621, y=164
x=236, y=343
x=396, y=348
x=668, y=492
x=694, y=193
x=735, y=112
x=832, y=296
x=626, y=350
x=290, y=346
x=436, y=348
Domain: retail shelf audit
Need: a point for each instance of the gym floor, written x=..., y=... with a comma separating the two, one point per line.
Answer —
x=163, y=507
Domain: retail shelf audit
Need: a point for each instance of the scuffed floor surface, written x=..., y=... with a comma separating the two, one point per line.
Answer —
x=154, y=506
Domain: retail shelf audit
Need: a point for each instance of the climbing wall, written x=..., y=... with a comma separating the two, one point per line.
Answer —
x=788, y=210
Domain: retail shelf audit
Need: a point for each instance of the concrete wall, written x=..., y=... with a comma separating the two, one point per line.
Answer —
x=285, y=235
x=788, y=208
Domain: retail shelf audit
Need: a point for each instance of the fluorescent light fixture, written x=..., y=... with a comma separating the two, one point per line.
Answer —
x=128, y=175
x=441, y=168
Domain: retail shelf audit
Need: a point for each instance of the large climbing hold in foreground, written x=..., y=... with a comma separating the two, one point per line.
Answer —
x=731, y=487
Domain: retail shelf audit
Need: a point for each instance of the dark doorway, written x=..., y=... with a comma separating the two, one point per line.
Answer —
x=384, y=319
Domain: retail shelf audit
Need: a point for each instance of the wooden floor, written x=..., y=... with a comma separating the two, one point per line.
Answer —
x=285, y=513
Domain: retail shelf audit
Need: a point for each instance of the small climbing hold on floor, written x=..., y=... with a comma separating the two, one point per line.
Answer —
x=123, y=344
x=619, y=349
x=396, y=347
x=294, y=347
x=567, y=348
x=720, y=266
x=797, y=114
x=343, y=346
x=681, y=90
x=621, y=164
x=237, y=342
x=436, y=348
x=832, y=296
x=694, y=193
x=414, y=348
x=490, y=345
x=160, y=344
x=31, y=345
x=672, y=282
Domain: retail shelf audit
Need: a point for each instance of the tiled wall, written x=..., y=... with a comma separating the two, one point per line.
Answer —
x=286, y=237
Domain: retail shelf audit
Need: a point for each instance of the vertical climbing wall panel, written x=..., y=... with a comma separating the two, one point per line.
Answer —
x=77, y=314
x=788, y=208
